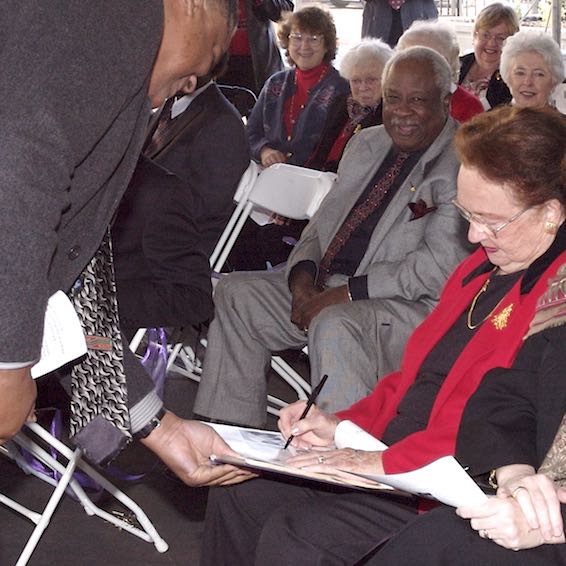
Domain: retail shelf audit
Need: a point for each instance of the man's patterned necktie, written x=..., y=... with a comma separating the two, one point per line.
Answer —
x=98, y=383
x=162, y=129
x=358, y=215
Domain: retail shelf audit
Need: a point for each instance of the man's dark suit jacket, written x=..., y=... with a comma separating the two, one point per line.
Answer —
x=162, y=278
x=208, y=149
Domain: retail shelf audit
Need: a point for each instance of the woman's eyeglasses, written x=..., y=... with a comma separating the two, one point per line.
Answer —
x=368, y=81
x=298, y=38
x=485, y=37
x=486, y=227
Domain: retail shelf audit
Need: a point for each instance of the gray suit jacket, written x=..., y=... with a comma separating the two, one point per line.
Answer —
x=407, y=261
x=74, y=111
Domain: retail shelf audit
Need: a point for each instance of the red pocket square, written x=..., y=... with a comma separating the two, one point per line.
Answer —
x=419, y=209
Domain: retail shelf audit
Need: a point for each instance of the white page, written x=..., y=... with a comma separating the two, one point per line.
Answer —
x=350, y=435
x=444, y=480
x=63, y=337
x=254, y=443
x=264, y=450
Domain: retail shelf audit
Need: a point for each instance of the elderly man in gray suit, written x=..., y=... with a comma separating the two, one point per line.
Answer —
x=368, y=268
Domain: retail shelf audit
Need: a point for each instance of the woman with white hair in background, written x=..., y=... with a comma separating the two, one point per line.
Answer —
x=440, y=37
x=532, y=67
x=362, y=66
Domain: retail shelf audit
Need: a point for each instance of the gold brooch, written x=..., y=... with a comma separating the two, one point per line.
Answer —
x=500, y=320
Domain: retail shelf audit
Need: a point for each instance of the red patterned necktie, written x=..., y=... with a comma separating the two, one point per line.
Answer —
x=358, y=215
x=160, y=134
x=396, y=4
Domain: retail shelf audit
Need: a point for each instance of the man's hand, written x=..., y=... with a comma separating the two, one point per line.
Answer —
x=17, y=400
x=269, y=156
x=303, y=290
x=308, y=307
x=185, y=446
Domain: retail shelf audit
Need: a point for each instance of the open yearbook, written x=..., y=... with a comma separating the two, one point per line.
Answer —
x=444, y=479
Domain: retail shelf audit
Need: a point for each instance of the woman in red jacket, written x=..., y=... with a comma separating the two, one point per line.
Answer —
x=516, y=209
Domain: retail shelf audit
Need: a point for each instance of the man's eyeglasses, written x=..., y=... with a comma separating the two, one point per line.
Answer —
x=297, y=38
x=487, y=228
x=485, y=37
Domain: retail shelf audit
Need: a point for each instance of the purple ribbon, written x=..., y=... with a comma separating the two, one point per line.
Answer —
x=87, y=483
x=155, y=363
x=155, y=358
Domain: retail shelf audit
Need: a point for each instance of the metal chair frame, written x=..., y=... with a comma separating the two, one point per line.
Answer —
x=26, y=439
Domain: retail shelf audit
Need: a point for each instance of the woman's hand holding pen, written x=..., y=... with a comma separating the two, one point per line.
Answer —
x=317, y=429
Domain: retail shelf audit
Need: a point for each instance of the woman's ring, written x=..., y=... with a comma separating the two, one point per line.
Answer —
x=484, y=533
x=516, y=490
x=321, y=459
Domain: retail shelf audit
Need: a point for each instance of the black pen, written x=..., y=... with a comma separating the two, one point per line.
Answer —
x=310, y=403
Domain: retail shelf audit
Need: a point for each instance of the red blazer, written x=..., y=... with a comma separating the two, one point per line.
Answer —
x=489, y=348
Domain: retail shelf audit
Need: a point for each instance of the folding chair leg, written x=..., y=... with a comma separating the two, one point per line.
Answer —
x=45, y=517
x=31, y=515
x=285, y=371
x=148, y=531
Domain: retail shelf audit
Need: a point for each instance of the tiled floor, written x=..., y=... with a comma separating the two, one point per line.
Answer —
x=73, y=538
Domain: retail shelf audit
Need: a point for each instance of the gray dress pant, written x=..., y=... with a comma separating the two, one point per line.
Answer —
x=352, y=343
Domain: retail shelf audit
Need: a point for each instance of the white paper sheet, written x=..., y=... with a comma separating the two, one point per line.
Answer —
x=443, y=479
x=63, y=338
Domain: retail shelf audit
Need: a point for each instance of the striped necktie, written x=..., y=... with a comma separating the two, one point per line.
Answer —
x=358, y=215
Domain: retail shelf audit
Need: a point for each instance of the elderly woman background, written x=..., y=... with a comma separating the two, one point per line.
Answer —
x=286, y=125
x=532, y=67
x=510, y=424
x=516, y=215
x=479, y=71
x=362, y=66
x=287, y=121
x=441, y=38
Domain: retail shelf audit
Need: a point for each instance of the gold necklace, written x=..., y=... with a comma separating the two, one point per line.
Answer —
x=482, y=290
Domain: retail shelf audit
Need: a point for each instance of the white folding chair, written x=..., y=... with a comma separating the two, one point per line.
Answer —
x=31, y=438
x=245, y=186
x=290, y=191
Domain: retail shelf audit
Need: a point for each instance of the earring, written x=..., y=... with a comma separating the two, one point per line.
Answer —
x=550, y=227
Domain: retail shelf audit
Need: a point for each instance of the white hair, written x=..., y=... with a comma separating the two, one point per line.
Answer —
x=369, y=51
x=440, y=69
x=436, y=35
x=532, y=41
